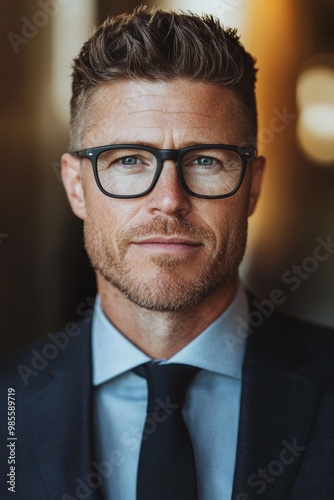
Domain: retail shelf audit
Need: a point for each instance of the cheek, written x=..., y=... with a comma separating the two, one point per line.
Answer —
x=107, y=215
x=226, y=217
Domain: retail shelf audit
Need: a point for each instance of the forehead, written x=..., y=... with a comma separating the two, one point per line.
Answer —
x=176, y=110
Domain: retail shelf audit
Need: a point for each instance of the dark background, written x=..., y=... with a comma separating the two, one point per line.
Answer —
x=44, y=271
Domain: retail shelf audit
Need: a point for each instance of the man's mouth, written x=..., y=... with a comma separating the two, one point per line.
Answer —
x=169, y=244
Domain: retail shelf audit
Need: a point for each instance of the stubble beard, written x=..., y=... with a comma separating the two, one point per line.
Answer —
x=169, y=290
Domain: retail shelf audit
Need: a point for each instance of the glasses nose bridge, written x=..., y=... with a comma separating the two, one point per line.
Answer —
x=168, y=154
x=163, y=155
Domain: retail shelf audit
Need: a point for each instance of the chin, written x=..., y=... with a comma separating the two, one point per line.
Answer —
x=166, y=291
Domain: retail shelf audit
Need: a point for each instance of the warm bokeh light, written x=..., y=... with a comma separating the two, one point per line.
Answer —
x=319, y=119
x=71, y=27
x=315, y=97
x=232, y=12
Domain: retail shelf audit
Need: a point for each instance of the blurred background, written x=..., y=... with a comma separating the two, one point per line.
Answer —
x=44, y=272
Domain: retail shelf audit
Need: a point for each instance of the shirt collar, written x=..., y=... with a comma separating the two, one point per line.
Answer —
x=113, y=354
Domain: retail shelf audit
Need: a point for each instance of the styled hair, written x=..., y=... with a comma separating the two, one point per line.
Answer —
x=153, y=44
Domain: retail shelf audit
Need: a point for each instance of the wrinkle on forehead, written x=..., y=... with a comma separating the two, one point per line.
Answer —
x=145, y=97
x=164, y=108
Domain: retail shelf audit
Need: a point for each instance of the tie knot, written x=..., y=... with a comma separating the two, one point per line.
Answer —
x=167, y=384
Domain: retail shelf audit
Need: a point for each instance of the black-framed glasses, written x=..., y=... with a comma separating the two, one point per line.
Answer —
x=205, y=170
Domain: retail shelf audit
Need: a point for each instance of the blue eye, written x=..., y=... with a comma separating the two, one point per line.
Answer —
x=129, y=160
x=205, y=160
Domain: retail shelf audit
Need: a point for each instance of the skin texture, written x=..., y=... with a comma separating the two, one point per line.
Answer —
x=163, y=292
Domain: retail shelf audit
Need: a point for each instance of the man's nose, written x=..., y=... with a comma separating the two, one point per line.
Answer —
x=168, y=195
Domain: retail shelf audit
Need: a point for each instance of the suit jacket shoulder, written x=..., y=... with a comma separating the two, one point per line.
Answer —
x=286, y=429
x=52, y=392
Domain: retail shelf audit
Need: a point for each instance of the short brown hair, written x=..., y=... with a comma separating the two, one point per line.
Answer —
x=152, y=44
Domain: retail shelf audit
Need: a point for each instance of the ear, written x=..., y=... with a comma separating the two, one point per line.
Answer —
x=72, y=179
x=257, y=169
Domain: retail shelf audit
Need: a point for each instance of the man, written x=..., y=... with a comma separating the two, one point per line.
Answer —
x=163, y=171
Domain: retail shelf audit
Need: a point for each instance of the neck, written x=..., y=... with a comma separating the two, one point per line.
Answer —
x=162, y=334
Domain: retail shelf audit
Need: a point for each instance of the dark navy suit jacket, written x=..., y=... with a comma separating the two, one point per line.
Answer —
x=286, y=431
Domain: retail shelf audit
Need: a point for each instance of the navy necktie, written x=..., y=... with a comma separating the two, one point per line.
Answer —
x=166, y=469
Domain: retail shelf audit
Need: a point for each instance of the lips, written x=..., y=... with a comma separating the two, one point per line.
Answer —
x=166, y=241
x=165, y=244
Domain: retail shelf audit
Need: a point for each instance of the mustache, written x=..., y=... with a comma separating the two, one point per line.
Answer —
x=160, y=226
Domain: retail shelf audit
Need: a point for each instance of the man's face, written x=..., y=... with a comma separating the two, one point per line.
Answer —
x=167, y=250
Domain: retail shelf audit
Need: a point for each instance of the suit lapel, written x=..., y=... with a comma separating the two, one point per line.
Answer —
x=59, y=413
x=278, y=404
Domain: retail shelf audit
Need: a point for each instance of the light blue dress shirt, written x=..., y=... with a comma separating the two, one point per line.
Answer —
x=211, y=409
